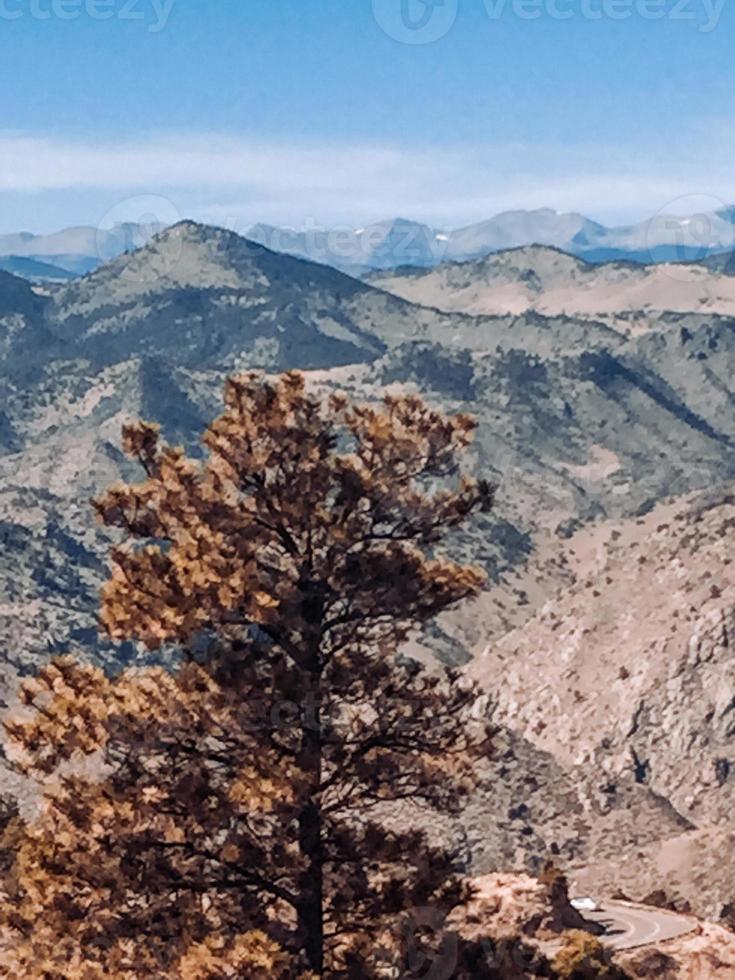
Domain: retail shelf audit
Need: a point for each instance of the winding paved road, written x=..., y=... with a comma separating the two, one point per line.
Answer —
x=628, y=926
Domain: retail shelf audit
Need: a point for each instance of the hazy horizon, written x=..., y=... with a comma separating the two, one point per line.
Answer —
x=444, y=112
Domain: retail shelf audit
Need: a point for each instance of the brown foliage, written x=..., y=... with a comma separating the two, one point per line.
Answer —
x=226, y=819
x=583, y=957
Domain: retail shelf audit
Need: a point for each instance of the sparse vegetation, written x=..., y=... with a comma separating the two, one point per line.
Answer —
x=583, y=957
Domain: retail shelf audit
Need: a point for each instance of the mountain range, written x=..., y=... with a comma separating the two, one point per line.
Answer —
x=76, y=250
x=605, y=397
x=391, y=244
x=626, y=295
x=400, y=242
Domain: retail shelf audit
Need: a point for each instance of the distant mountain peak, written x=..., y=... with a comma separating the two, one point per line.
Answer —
x=187, y=254
x=398, y=223
x=192, y=231
x=390, y=243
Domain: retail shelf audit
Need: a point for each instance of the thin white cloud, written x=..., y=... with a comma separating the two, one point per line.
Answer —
x=238, y=181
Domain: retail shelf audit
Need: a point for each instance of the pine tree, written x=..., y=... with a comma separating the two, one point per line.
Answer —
x=234, y=816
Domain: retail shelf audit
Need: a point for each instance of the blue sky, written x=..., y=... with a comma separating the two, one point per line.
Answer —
x=318, y=112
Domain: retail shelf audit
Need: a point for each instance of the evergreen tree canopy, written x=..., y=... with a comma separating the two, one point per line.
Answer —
x=230, y=817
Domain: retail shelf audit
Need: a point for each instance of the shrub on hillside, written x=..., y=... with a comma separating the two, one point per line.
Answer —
x=583, y=957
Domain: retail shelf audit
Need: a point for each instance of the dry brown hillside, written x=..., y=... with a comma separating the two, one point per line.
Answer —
x=536, y=277
x=631, y=671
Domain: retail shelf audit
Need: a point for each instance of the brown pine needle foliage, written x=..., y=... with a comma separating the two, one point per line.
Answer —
x=583, y=957
x=226, y=819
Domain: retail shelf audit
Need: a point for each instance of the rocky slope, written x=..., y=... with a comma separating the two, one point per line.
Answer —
x=631, y=669
x=630, y=672
x=707, y=952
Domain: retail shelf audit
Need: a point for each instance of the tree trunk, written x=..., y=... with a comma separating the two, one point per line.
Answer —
x=310, y=907
x=311, y=898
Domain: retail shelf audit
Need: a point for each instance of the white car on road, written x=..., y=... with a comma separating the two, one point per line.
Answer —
x=585, y=904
